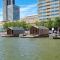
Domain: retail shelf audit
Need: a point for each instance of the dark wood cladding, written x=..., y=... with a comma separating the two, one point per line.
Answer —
x=34, y=30
x=9, y=31
x=15, y=31
x=39, y=31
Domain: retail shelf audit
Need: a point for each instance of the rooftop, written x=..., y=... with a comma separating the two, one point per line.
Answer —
x=16, y=28
x=41, y=27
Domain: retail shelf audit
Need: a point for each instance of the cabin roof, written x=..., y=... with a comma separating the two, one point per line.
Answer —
x=41, y=27
x=16, y=28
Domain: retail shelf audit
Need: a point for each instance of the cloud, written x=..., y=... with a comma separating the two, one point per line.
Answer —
x=24, y=11
x=27, y=7
x=1, y=15
x=28, y=10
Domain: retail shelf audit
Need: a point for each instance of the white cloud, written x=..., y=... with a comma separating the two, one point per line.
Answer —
x=24, y=11
x=28, y=10
x=27, y=7
x=1, y=15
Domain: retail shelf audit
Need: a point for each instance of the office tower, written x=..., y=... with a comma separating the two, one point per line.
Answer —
x=13, y=13
x=10, y=2
x=48, y=9
x=10, y=11
x=5, y=10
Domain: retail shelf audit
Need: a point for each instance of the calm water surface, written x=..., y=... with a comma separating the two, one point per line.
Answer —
x=29, y=49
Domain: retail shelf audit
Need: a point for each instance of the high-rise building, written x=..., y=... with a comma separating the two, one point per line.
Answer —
x=5, y=10
x=10, y=2
x=11, y=12
x=48, y=9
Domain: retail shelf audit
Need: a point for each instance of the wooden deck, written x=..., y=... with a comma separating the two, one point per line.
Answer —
x=29, y=36
x=56, y=37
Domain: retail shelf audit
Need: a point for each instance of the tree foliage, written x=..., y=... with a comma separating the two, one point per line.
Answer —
x=49, y=24
x=56, y=22
x=17, y=24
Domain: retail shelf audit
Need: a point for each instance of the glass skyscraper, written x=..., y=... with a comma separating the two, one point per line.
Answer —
x=10, y=11
x=9, y=2
x=48, y=9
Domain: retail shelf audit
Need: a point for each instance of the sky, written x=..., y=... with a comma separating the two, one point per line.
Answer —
x=27, y=8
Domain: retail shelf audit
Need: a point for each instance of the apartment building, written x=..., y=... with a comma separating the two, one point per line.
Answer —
x=48, y=9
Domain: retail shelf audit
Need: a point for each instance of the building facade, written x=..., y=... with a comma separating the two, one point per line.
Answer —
x=11, y=12
x=31, y=19
x=48, y=9
x=39, y=30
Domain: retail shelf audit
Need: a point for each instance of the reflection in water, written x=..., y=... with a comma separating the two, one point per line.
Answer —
x=16, y=49
x=29, y=49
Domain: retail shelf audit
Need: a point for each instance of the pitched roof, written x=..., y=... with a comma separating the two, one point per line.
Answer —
x=41, y=27
x=16, y=28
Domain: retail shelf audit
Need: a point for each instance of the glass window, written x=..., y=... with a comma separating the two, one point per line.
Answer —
x=42, y=12
x=8, y=2
x=54, y=10
x=42, y=2
x=54, y=14
x=53, y=0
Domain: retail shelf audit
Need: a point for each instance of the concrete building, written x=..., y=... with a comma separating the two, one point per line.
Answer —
x=11, y=12
x=48, y=9
x=30, y=19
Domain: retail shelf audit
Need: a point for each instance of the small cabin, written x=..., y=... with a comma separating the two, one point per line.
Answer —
x=15, y=31
x=40, y=31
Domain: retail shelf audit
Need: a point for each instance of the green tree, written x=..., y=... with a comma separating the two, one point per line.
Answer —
x=49, y=24
x=17, y=24
x=7, y=24
x=37, y=23
x=42, y=23
x=29, y=26
x=56, y=22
